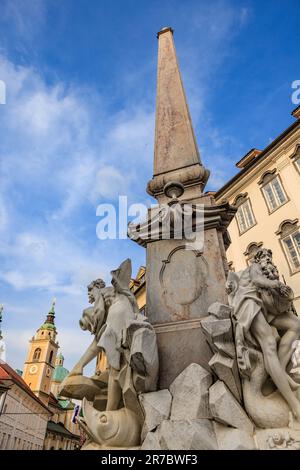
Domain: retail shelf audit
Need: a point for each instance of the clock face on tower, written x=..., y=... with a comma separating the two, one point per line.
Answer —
x=33, y=369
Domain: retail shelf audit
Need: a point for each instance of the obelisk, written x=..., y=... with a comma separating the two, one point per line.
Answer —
x=182, y=280
x=176, y=155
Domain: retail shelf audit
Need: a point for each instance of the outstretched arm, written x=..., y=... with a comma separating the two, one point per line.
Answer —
x=87, y=357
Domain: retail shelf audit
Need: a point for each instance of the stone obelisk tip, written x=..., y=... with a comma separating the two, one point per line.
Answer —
x=176, y=155
x=165, y=30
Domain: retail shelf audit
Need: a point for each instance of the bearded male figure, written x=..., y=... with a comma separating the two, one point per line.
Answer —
x=263, y=318
x=115, y=322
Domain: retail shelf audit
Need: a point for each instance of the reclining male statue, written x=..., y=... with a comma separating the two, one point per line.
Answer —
x=265, y=322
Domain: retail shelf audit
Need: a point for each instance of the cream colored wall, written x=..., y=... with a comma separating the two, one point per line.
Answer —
x=141, y=296
x=23, y=421
x=267, y=224
x=58, y=442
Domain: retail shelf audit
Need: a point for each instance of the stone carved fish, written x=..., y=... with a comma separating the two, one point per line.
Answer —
x=118, y=428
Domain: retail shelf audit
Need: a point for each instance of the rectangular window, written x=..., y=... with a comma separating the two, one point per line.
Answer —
x=274, y=194
x=245, y=216
x=297, y=163
x=292, y=247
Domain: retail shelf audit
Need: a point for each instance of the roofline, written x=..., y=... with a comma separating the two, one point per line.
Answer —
x=260, y=157
x=25, y=388
x=139, y=287
x=246, y=155
x=295, y=111
x=66, y=432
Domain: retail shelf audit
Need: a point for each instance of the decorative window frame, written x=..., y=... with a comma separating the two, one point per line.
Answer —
x=247, y=253
x=282, y=234
x=296, y=158
x=36, y=354
x=244, y=198
x=265, y=179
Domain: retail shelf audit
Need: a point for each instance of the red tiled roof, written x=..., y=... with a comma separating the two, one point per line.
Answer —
x=8, y=373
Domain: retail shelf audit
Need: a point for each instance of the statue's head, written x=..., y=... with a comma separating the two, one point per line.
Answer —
x=264, y=257
x=94, y=286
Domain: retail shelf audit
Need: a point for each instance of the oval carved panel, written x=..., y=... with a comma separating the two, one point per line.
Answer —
x=182, y=277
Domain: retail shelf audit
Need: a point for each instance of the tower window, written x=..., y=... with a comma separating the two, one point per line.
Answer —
x=37, y=354
x=51, y=357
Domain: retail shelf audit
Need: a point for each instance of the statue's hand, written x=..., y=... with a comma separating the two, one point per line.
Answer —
x=108, y=296
x=285, y=291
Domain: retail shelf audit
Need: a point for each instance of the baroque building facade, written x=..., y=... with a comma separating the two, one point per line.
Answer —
x=266, y=192
x=23, y=416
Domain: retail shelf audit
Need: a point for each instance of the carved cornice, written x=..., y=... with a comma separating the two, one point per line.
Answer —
x=163, y=221
x=188, y=176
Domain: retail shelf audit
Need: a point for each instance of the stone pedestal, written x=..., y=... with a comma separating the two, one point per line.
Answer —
x=183, y=280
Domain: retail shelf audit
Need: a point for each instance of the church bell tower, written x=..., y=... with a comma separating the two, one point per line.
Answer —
x=40, y=362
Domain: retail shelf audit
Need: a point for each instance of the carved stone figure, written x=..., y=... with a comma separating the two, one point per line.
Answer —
x=265, y=330
x=129, y=342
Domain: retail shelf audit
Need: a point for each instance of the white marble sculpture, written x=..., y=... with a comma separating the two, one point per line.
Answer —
x=129, y=342
x=266, y=329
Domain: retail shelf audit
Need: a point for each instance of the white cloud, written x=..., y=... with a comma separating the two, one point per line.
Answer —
x=63, y=152
x=25, y=18
x=73, y=342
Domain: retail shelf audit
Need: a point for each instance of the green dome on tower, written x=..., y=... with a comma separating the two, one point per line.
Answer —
x=49, y=322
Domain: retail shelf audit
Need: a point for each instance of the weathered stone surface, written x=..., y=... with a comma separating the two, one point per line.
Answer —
x=144, y=357
x=226, y=370
x=190, y=394
x=79, y=387
x=278, y=439
x=219, y=335
x=220, y=311
x=226, y=409
x=172, y=339
x=156, y=407
x=233, y=439
x=130, y=397
x=151, y=442
x=187, y=435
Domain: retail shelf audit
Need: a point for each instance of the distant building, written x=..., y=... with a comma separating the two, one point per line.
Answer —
x=44, y=372
x=62, y=433
x=40, y=362
x=266, y=192
x=59, y=374
x=138, y=287
x=23, y=416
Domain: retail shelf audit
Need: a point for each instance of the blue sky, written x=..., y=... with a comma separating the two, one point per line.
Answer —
x=78, y=129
